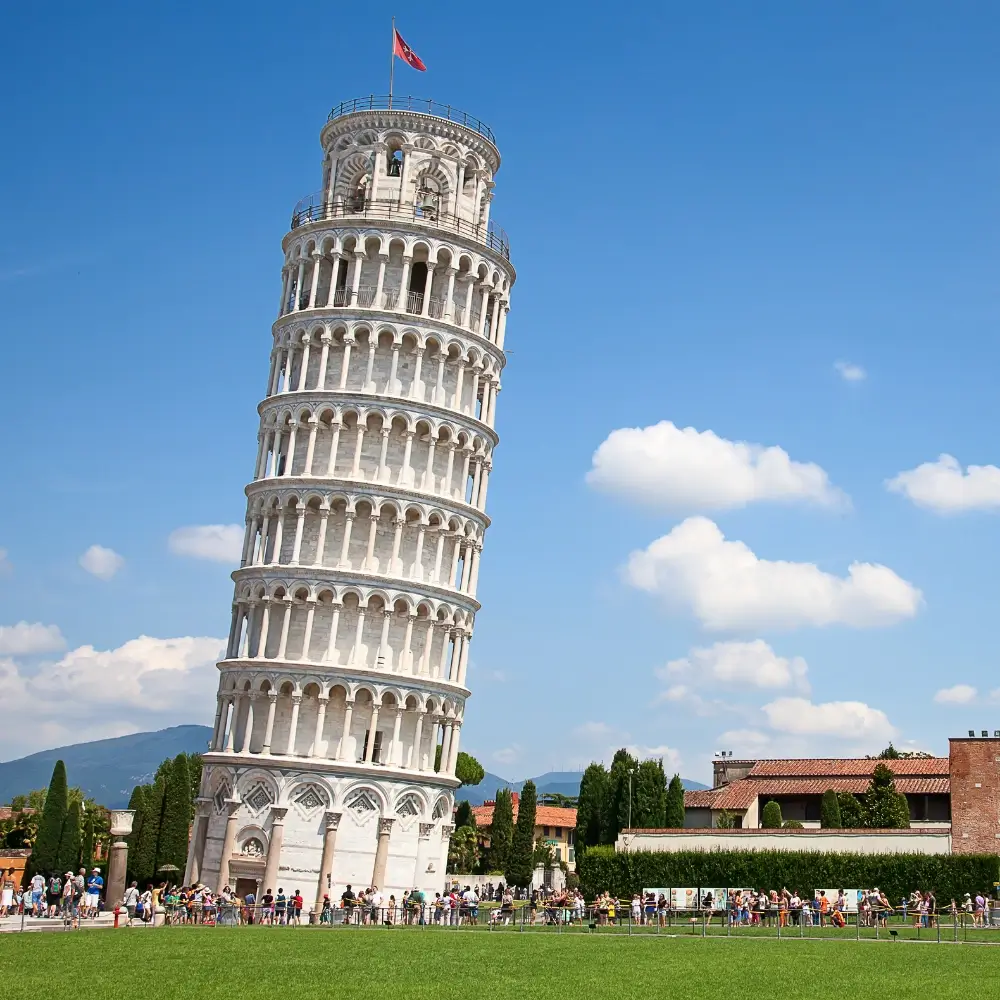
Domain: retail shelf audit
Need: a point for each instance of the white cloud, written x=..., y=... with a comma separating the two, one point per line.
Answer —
x=687, y=469
x=101, y=562
x=601, y=740
x=735, y=664
x=145, y=683
x=28, y=639
x=217, y=542
x=850, y=372
x=844, y=720
x=960, y=694
x=507, y=755
x=944, y=487
x=6, y=566
x=726, y=586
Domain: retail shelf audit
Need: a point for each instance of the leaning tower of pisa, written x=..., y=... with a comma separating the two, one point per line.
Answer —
x=342, y=693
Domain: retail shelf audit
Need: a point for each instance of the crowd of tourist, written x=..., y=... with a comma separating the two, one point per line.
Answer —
x=77, y=897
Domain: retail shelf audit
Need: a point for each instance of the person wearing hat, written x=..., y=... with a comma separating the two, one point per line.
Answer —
x=92, y=900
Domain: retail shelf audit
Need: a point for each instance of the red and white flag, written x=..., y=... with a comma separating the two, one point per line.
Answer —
x=401, y=49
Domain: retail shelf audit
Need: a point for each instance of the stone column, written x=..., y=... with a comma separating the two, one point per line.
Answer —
x=372, y=730
x=294, y=725
x=121, y=827
x=320, y=720
x=272, y=702
x=228, y=843
x=381, y=852
x=196, y=849
x=325, y=881
x=274, y=848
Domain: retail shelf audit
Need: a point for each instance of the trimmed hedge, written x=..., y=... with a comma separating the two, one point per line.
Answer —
x=949, y=876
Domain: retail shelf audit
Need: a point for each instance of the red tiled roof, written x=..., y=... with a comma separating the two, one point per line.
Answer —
x=847, y=767
x=741, y=794
x=544, y=815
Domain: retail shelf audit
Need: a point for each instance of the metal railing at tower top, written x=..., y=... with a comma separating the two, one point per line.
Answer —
x=420, y=105
x=314, y=209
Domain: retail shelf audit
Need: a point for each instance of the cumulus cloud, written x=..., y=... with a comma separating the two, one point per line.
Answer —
x=507, y=755
x=687, y=469
x=960, y=694
x=945, y=488
x=216, y=542
x=726, y=586
x=845, y=720
x=88, y=693
x=101, y=562
x=735, y=664
x=29, y=639
x=601, y=740
x=850, y=372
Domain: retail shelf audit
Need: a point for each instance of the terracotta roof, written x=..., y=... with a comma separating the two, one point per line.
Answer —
x=847, y=767
x=544, y=815
x=741, y=794
x=804, y=832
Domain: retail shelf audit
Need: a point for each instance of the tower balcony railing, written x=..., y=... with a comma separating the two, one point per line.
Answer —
x=315, y=209
x=419, y=105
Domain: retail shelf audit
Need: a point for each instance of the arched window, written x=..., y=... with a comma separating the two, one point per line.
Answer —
x=428, y=198
x=394, y=163
x=359, y=196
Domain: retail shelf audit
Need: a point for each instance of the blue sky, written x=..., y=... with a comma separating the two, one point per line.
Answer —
x=709, y=207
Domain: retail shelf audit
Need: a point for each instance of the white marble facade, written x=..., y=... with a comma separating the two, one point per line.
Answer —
x=355, y=599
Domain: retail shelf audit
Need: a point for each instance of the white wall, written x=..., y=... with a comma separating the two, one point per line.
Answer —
x=852, y=841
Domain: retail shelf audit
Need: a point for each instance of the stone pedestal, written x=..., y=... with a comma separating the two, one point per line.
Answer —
x=121, y=826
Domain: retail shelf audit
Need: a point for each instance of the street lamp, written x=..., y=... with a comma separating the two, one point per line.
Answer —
x=631, y=771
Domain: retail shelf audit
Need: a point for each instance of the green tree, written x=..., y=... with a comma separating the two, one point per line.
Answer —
x=881, y=809
x=178, y=811
x=70, y=841
x=519, y=869
x=770, y=818
x=468, y=770
x=590, y=807
x=902, y=813
x=144, y=866
x=792, y=824
x=829, y=811
x=463, y=851
x=673, y=813
x=852, y=814
x=501, y=830
x=617, y=804
x=725, y=820
x=45, y=853
x=650, y=786
x=464, y=816
x=889, y=753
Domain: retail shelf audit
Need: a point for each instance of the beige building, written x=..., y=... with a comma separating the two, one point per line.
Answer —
x=554, y=825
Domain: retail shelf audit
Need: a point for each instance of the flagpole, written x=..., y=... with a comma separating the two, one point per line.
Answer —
x=392, y=59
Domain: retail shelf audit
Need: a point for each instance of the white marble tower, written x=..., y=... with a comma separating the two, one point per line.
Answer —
x=356, y=595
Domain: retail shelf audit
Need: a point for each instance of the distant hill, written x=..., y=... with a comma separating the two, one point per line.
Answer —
x=107, y=770
x=553, y=782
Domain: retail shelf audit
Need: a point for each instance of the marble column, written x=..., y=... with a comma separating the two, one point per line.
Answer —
x=381, y=852
x=270, y=883
x=228, y=842
x=196, y=848
x=324, y=883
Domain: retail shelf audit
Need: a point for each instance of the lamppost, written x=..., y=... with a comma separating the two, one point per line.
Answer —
x=631, y=771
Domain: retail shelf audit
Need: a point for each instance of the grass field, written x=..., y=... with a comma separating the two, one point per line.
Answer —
x=251, y=963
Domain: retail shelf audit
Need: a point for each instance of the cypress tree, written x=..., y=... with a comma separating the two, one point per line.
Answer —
x=852, y=815
x=501, y=830
x=590, y=808
x=137, y=803
x=674, y=810
x=464, y=816
x=902, y=812
x=176, y=821
x=829, y=811
x=617, y=806
x=881, y=810
x=650, y=790
x=771, y=816
x=144, y=866
x=519, y=862
x=45, y=853
x=68, y=858
x=195, y=764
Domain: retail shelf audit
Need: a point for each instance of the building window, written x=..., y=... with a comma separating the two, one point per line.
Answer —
x=545, y=831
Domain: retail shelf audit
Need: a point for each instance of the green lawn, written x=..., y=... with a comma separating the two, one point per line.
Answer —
x=250, y=963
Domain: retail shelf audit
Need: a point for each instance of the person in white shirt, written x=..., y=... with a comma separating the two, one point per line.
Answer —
x=130, y=899
x=375, y=904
